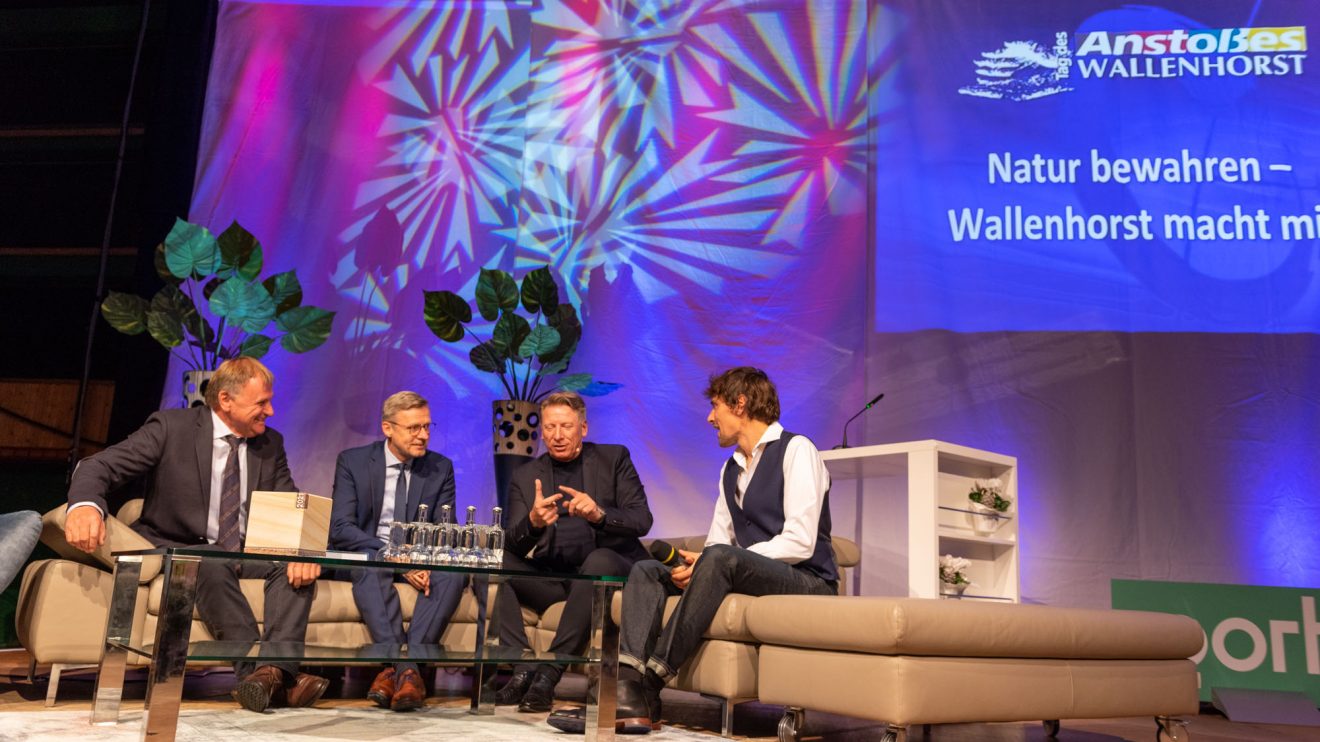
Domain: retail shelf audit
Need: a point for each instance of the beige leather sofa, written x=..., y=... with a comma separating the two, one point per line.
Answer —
x=907, y=661
x=63, y=605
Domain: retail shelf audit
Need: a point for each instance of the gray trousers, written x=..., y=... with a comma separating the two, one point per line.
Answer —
x=226, y=613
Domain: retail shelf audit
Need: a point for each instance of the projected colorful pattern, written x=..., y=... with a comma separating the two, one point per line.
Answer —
x=685, y=157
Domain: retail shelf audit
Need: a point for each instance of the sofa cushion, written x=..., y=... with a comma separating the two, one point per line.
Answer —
x=916, y=626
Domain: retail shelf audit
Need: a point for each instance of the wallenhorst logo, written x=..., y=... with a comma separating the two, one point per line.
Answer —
x=1023, y=70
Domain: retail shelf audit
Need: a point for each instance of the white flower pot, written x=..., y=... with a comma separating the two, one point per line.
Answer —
x=951, y=589
x=985, y=520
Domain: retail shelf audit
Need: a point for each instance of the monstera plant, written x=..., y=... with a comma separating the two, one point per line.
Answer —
x=213, y=307
x=530, y=354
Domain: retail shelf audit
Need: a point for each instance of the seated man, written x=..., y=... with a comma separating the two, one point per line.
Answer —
x=387, y=481
x=770, y=536
x=580, y=508
x=202, y=465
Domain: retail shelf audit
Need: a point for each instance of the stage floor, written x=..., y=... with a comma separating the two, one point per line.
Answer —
x=686, y=712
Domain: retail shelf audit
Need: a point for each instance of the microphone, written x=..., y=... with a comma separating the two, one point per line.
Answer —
x=666, y=554
x=868, y=406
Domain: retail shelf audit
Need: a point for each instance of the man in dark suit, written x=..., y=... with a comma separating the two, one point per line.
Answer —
x=581, y=508
x=201, y=466
x=382, y=482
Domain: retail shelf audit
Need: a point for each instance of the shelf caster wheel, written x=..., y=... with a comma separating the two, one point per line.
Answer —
x=1171, y=730
x=791, y=723
x=1051, y=727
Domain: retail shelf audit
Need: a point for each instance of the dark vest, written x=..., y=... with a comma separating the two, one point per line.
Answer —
x=761, y=516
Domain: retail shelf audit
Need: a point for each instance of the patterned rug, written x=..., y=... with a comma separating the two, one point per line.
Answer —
x=304, y=725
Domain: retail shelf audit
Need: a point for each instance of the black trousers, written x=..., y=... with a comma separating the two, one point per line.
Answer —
x=574, y=629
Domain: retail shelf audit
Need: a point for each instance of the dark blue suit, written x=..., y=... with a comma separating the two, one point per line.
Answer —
x=358, y=497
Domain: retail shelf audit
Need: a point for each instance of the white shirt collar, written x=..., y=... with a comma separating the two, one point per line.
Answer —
x=772, y=433
x=390, y=458
x=219, y=429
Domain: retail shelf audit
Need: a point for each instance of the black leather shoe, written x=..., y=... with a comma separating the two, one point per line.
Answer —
x=637, y=712
x=513, y=692
x=540, y=695
x=574, y=721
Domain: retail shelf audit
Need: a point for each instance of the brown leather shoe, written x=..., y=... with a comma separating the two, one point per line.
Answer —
x=382, y=688
x=307, y=690
x=410, y=693
x=261, y=689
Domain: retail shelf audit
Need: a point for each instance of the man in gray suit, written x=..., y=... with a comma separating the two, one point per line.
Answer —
x=201, y=466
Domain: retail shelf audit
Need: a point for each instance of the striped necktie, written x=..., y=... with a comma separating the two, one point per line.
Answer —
x=230, y=499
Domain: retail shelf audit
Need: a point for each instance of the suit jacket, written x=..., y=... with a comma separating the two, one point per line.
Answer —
x=609, y=477
x=359, y=494
x=172, y=451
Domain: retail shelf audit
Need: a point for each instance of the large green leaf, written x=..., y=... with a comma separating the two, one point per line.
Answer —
x=565, y=320
x=487, y=357
x=171, y=309
x=557, y=367
x=446, y=313
x=163, y=270
x=240, y=253
x=496, y=293
x=540, y=292
x=573, y=382
x=306, y=327
x=255, y=346
x=244, y=305
x=166, y=328
x=125, y=312
x=509, y=333
x=191, y=250
x=285, y=289
x=539, y=341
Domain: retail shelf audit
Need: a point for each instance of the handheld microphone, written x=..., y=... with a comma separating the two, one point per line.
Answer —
x=665, y=553
x=868, y=406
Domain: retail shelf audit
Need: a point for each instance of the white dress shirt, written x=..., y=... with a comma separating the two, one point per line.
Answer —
x=806, y=480
x=219, y=457
x=392, y=464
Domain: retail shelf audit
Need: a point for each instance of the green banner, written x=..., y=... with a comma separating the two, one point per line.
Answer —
x=1262, y=638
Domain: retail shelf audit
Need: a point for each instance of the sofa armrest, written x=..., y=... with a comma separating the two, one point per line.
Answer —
x=118, y=537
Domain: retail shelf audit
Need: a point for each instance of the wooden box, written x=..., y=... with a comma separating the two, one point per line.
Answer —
x=287, y=523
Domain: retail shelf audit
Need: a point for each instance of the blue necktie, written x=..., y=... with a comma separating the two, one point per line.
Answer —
x=401, y=495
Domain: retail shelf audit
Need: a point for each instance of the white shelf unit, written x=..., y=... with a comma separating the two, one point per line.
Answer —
x=927, y=482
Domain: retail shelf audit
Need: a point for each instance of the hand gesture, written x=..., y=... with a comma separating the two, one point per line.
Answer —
x=545, y=510
x=580, y=505
x=301, y=573
x=420, y=579
x=682, y=574
x=84, y=528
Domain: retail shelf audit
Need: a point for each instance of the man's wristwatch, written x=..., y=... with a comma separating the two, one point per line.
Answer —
x=600, y=510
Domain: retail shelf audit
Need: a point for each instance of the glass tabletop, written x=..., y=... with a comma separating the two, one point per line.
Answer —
x=354, y=560
x=230, y=651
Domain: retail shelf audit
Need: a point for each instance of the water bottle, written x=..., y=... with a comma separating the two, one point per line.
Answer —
x=495, y=541
x=468, y=549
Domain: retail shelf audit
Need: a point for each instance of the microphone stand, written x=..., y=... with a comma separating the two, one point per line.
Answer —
x=868, y=406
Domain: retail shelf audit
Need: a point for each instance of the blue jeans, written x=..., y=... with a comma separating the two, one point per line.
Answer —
x=722, y=569
x=18, y=535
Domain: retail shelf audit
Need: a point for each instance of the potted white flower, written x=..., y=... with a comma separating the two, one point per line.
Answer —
x=953, y=574
x=989, y=506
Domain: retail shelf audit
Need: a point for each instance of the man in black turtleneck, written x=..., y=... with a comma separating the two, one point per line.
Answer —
x=581, y=508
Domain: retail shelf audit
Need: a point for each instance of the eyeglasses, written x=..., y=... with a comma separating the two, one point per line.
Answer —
x=413, y=430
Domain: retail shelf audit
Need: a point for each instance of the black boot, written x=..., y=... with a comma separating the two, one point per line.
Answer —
x=540, y=695
x=638, y=709
x=513, y=693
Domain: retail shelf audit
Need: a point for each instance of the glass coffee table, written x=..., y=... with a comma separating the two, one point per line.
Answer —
x=170, y=653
